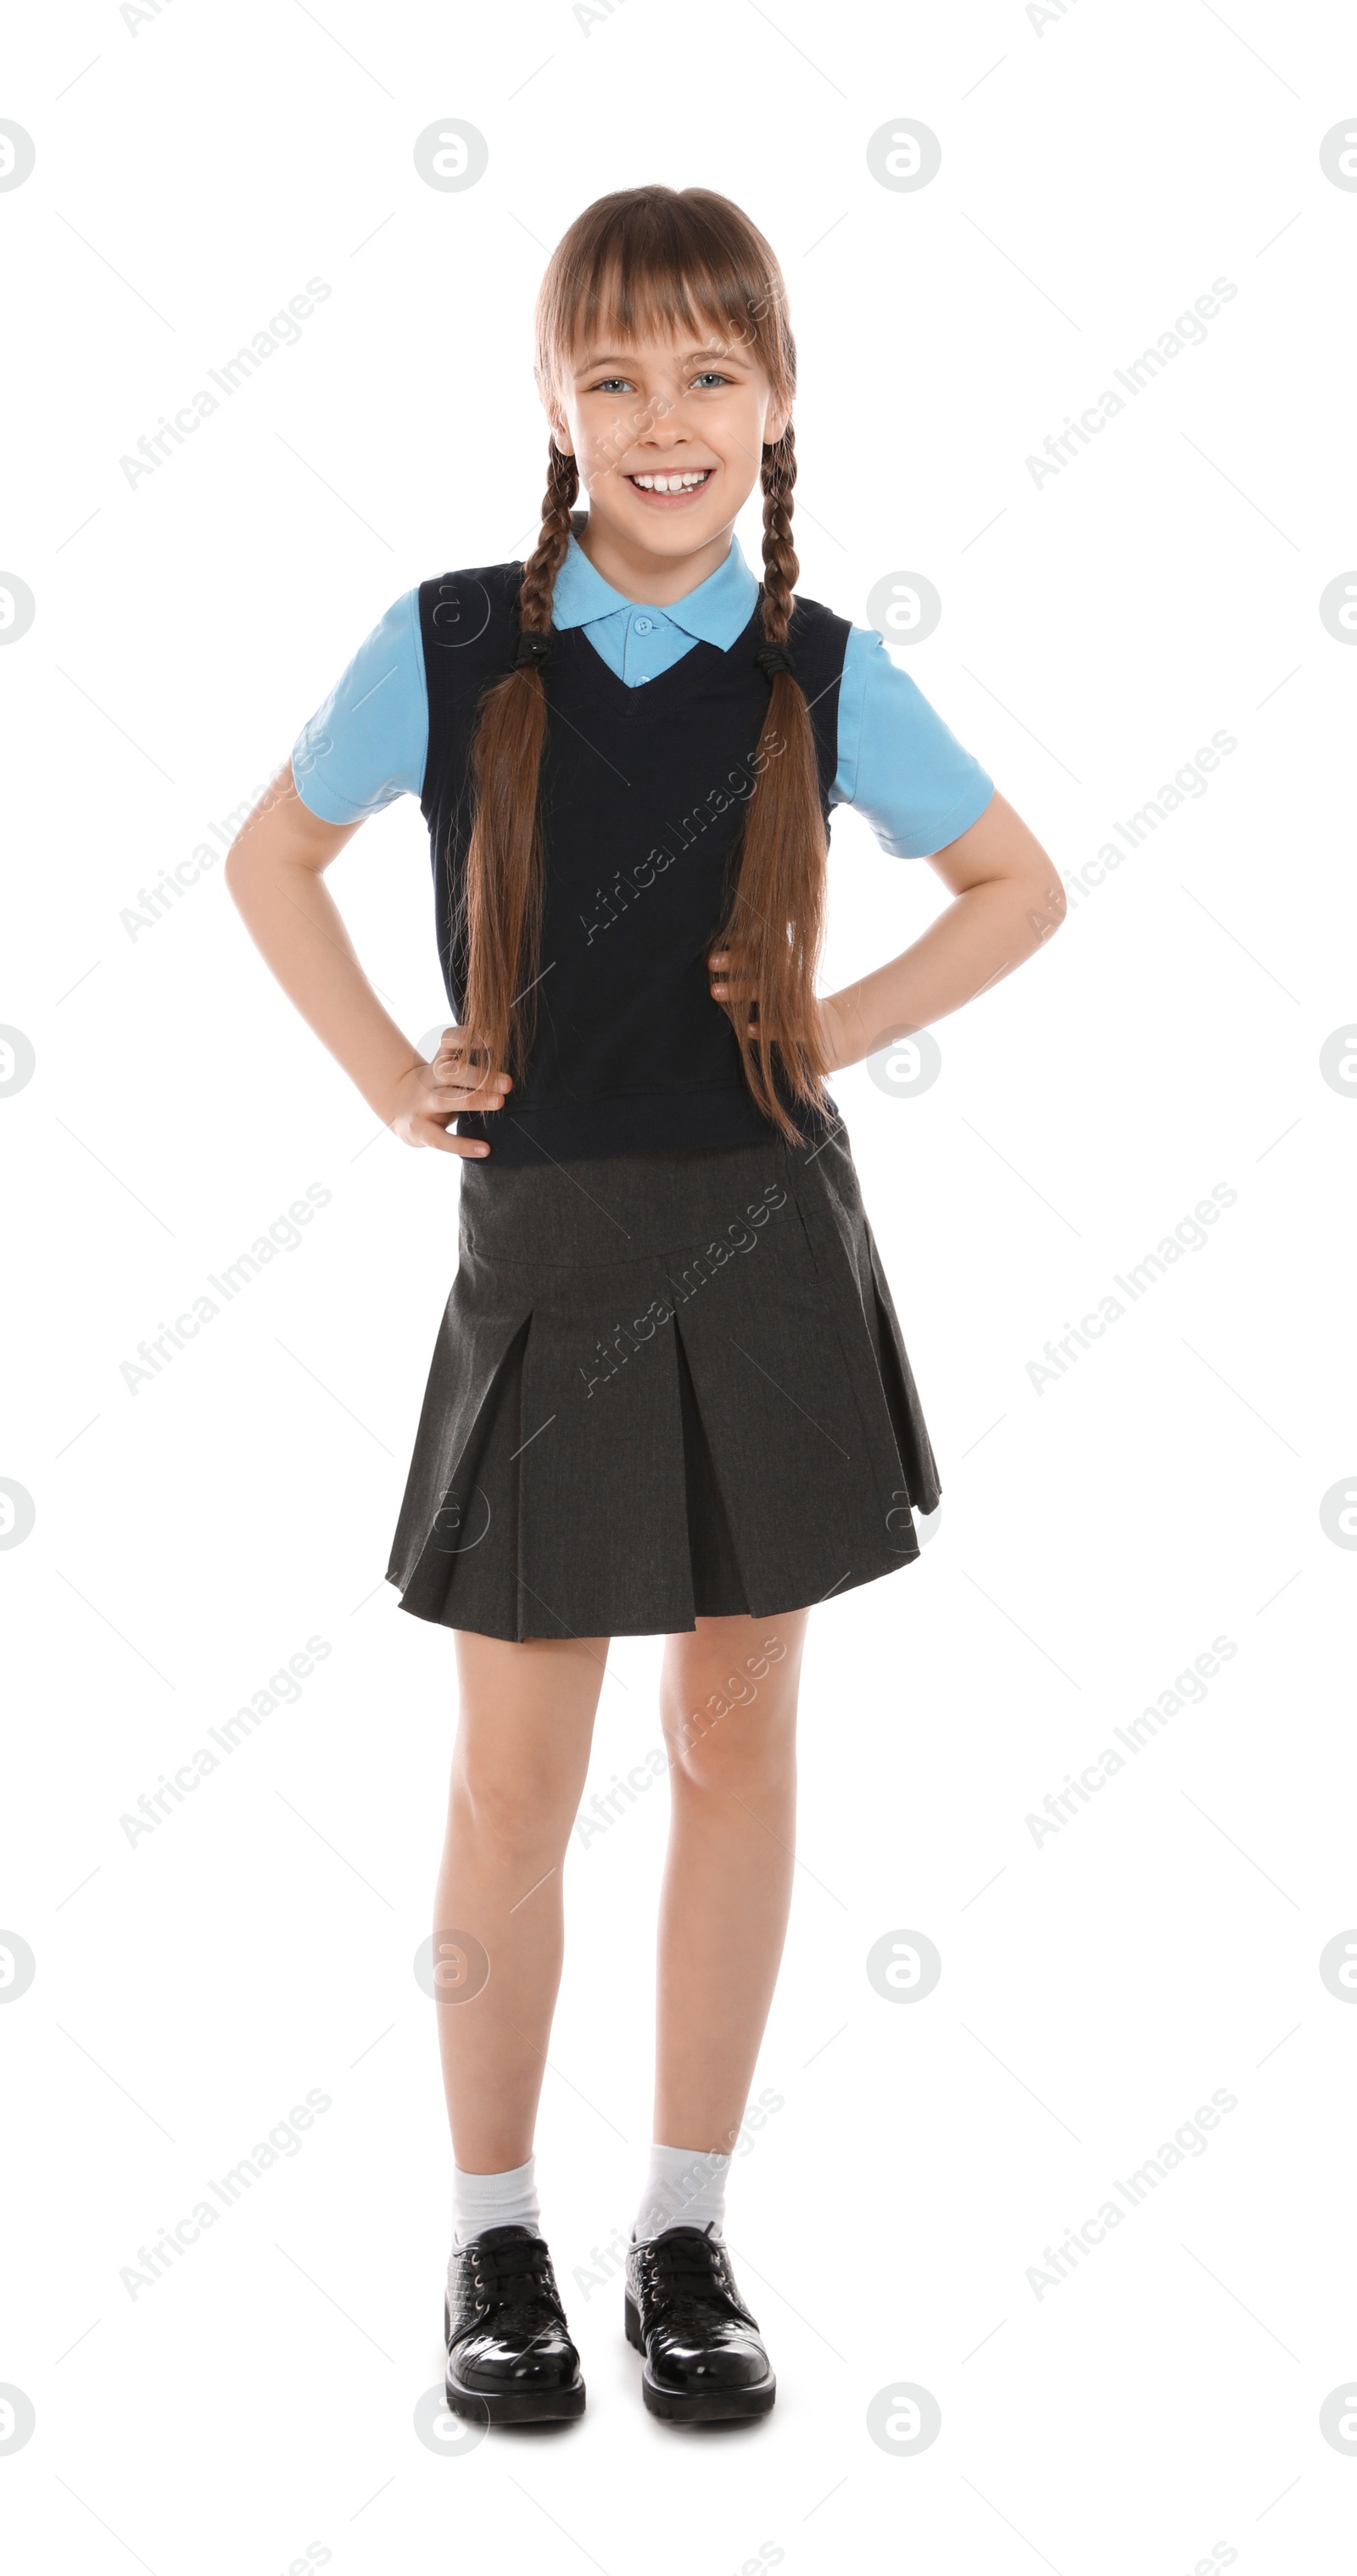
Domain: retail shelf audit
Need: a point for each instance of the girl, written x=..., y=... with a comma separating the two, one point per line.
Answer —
x=670, y=1393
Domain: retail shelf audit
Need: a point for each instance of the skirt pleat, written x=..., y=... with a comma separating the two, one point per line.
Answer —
x=667, y=1386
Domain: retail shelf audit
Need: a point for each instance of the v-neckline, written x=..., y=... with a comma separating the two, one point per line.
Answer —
x=623, y=696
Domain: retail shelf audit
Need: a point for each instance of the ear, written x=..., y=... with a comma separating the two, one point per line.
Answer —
x=557, y=424
x=777, y=419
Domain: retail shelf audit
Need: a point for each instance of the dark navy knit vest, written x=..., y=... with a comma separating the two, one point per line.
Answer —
x=643, y=791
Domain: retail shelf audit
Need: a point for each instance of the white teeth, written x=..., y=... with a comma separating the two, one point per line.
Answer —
x=670, y=482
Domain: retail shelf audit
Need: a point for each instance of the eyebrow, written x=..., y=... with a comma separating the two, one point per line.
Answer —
x=727, y=354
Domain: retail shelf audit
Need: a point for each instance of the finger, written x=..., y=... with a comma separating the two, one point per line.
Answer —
x=472, y=1077
x=457, y=1066
x=465, y=1049
x=456, y=1096
x=431, y=1122
x=446, y=1101
x=426, y=1131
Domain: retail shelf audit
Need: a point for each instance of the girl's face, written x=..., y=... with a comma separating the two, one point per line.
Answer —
x=667, y=436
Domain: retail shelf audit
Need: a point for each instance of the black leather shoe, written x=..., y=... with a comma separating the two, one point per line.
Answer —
x=510, y=2357
x=704, y=2363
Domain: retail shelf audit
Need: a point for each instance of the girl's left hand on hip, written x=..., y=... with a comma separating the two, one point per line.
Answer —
x=719, y=964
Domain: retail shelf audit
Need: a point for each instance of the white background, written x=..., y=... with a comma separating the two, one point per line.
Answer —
x=1098, y=172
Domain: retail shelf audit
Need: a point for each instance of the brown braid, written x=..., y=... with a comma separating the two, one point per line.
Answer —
x=780, y=565
x=543, y=564
x=503, y=904
x=776, y=922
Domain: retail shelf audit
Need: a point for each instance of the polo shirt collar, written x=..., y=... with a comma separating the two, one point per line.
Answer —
x=717, y=612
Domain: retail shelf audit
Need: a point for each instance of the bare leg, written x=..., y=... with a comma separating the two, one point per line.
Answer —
x=518, y=1769
x=728, y=1705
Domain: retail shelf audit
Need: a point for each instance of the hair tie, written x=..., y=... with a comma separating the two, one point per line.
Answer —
x=533, y=649
x=772, y=658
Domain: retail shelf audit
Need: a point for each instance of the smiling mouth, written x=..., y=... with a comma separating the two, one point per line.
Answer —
x=671, y=485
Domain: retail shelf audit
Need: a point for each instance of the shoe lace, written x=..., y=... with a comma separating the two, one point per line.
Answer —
x=687, y=2277
x=516, y=2276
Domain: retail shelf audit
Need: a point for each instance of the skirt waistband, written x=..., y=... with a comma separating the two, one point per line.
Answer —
x=607, y=1210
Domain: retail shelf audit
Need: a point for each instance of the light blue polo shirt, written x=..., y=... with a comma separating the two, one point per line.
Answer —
x=899, y=765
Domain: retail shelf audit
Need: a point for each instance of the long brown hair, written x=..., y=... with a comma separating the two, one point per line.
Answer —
x=638, y=262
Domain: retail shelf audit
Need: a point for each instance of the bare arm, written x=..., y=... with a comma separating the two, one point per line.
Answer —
x=274, y=871
x=1009, y=899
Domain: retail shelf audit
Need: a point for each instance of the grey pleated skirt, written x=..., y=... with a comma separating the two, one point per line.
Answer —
x=667, y=1386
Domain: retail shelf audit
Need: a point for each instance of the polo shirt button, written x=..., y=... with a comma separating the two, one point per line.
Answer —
x=643, y=625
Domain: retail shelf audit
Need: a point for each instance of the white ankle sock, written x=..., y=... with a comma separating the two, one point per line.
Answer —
x=685, y=2187
x=481, y=2200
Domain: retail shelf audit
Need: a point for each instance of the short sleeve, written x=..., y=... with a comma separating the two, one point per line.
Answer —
x=368, y=742
x=900, y=766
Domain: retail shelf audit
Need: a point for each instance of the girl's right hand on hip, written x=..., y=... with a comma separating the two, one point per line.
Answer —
x=430, y=1096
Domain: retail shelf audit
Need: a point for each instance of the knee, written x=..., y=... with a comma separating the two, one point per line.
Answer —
x=508, y=1812
x=728, y=1748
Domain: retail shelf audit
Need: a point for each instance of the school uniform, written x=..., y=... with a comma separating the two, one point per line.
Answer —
x=670, y=1381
